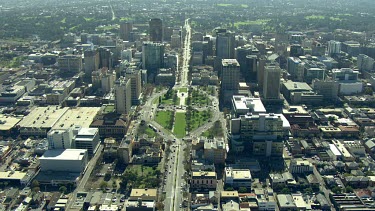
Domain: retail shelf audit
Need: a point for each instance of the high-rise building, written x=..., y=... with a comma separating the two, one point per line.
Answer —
x=225, y=45
x=251, y=68
x=152, y=57
x=295, y=68
x=230, y=74
x=271, y=86
x=60, y=138
x=156, y=30
x=260, y=74
x=328, y=88
x=125, y=29
x=334, y=47
x=91, y=62
x=108, y=80
x=123, y=95
x=240, y=55
x=105, y=58
x=70, y=63
x=136, y=84
x=365, y=63
x=259, y=134
x=296, y=50
x=87, y=138
x=175, y=41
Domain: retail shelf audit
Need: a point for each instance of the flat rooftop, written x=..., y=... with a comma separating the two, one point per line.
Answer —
x=80, y=116
x=43, y=117
x=248, y=103
x=12, y=175
x=297, y=86
x=64, y=154
x=241, y=174
x=8, y=122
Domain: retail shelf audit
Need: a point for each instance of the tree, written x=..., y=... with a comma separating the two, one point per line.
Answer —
x=229, y=189
x=336, y=189
x=63, y=189
x=348, y=189
x=103, y=185
x=285, y=191
x=308, y=190
x=242, y=190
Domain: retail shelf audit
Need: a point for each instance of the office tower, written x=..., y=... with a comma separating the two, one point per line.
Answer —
x=127, y=55
x=152, y=57
x=251, y=68
x=259, y=134
x=328, y=88
x=260, y=73
x=175, y=41
x=84, y=38
x=230, y=74
x=240, y=55
x=365, y=63
x=135, y=83
x=108, y=80
x=123, y=95
x=295, y=68
x=167, y=33
x=296, y=50
x=348, y=79
x=334, y=47
x=125, y=29
x=225, y=45
x=60, y=138
x=156, y=30
x=91, y=62
x=70, y=63
x=210, y=45
x=105, y=58
x=271, y=86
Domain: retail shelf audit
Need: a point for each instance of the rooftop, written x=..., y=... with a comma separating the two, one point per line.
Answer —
x=254, y=105
x=230, y=62
x=64, y=154
x=297, y=86
x=80, y=116
x=12, y=175
x=43, y=117
x=8, y=122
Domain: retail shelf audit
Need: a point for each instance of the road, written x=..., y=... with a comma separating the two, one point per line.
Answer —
x=82, y=183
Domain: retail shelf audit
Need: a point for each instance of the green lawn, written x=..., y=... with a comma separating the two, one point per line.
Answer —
x=141, y=176
x=255, y=22
x=109, y=108
x=314, y=17
x=144, y=129
x=164, y=118
x=198, y=118
x=199, y=99
x=224, y=5
x=183, y=89
x=168, y=100
x=180, y=125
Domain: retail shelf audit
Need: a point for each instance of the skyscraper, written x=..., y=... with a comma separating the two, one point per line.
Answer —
x=156, y=30
x=230, y=74
x=225, y=45
x=271, y=86
x=91, y=62
x=105, y=58
x=136, y=84
x=251, y=68
x=334, y=47
x=152, y=57
x=240, y=55
x=123, y=95
x=125, y=29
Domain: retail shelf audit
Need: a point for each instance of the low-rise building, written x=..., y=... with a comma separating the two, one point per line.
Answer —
x=299, y=166
x=204, y=180
x=238, y=177
x=286, y=202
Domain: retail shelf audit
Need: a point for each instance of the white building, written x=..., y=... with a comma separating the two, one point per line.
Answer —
x=123, y=95
x=87, y=138
x=238, y=177
x=334, y=47
x=243, y=105
x=60, y=138
x=64, y=160
x=348, y=79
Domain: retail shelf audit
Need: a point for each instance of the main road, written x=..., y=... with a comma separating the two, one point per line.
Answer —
x=175, y=185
